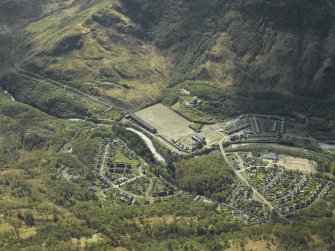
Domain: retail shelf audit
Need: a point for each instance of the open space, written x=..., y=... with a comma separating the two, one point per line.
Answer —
x=168, y=123
x=212, y=134
x=297, y=164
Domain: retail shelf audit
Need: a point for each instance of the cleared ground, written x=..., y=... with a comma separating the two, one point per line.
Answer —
x=168, y=123
x=251, y=245
x=291, y=163
x=212, y=134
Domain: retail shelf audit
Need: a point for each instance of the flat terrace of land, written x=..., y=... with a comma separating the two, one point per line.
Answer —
x=299, y=164
x=168, y=123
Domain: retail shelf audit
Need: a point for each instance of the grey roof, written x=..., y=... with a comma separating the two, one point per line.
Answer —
x=142, y=122
x=271, y=156
x=199, y=137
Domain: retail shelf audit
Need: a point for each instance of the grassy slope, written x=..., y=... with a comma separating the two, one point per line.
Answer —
x=108, y=56
x=135, y=52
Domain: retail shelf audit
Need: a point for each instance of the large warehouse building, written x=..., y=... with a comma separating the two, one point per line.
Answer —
x=142, y=123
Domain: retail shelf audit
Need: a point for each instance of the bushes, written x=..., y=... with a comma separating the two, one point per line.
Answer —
x=34, y=140
x=63, y=230
x=20, y=188
x=29, y=219
x=146, y=224
x=291, y=236
x=67, y=194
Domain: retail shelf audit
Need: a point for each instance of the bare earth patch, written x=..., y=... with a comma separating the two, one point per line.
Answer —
x=167, y=218
x=251, y=245
x=292, y=163
x=84, y=241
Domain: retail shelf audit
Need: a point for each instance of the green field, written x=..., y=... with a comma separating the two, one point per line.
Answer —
x=267, y=124
x=120, y=157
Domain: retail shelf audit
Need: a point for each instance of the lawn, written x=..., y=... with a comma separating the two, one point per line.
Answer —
x=120, y=157
x=192, y=114
x=244, y=173
x=266, y=124
x=138, y=186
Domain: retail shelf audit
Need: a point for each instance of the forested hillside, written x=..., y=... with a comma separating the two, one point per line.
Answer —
x=257, y=48
x=281, y=46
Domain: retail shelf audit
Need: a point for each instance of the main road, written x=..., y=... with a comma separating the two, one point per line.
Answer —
x=239, y=175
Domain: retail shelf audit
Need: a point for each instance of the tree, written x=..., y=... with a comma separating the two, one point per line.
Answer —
x=326, y=166
x=29, y=219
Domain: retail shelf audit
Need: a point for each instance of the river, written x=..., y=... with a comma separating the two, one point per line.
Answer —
x=149, y=143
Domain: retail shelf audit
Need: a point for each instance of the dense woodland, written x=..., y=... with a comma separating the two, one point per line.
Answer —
x=134, y=142
x=206, y=175
x=56, y=103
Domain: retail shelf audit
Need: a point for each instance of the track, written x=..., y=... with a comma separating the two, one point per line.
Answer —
x=102, y=173
x=75, y=92
x=244, y=181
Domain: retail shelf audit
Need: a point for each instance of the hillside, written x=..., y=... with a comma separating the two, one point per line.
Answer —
x=134, y=50
x=254, y=47
x=97, y=48
x=280, y=46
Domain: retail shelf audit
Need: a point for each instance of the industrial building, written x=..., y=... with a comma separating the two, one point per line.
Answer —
x=142, y=123
x=199, y=138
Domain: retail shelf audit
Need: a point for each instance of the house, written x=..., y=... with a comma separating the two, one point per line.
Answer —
x=196, y=146
x=196, y=198
x=233, y=138
x=195, y=101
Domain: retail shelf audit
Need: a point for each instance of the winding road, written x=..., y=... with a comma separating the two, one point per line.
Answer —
x=102, y=173
x=239, y=175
